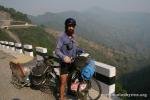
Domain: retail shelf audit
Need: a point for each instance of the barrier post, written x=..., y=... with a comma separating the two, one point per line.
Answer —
x=12, y=46
x=40, y=51
x=106, y=76
x=18, y=47
x=6, y=45
x=3, y=44
x=28, y=50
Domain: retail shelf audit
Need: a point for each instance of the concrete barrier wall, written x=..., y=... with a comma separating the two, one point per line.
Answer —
x=105, y=74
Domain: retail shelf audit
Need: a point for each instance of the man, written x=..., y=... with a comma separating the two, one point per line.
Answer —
x=66, y=50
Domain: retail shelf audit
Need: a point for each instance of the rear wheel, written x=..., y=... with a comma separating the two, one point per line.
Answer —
x=45, y=87
x=50, y=84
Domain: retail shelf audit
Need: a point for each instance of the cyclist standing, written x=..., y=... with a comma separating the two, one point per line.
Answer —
x=66, y=50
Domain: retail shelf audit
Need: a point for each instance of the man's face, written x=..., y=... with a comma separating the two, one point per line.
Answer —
x=70, y=29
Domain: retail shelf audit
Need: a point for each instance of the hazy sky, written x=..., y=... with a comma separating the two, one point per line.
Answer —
x=35, y=7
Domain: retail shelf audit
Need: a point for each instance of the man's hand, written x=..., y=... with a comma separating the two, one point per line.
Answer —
x=67, y=59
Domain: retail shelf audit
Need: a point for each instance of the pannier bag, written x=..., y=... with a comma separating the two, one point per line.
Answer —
x=88, y=71
x=21, y=67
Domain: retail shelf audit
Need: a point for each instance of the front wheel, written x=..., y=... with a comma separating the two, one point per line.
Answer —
x=94, y=89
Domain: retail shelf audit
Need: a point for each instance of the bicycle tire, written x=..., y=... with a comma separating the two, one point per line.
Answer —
x=94, y=84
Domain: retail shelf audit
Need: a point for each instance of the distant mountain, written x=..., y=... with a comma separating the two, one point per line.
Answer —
x=127, y=32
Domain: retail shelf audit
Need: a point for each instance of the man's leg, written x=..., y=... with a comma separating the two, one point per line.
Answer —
x=63, y=80
x=71, y=69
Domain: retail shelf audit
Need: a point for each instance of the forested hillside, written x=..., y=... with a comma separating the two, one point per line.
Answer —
x=137, y=82
x=4, y=36
x=124, y=62
x=35, y=36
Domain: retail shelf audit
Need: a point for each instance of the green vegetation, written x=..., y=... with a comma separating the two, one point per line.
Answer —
x=123, y=61
x=120, y=90
x=137, y=82
x=4, y=36
x=35, y=36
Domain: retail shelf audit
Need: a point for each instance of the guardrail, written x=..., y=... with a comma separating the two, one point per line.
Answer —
x=105, y=74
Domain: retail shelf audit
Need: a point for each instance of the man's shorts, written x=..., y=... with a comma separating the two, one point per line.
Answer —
x=66, y=68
